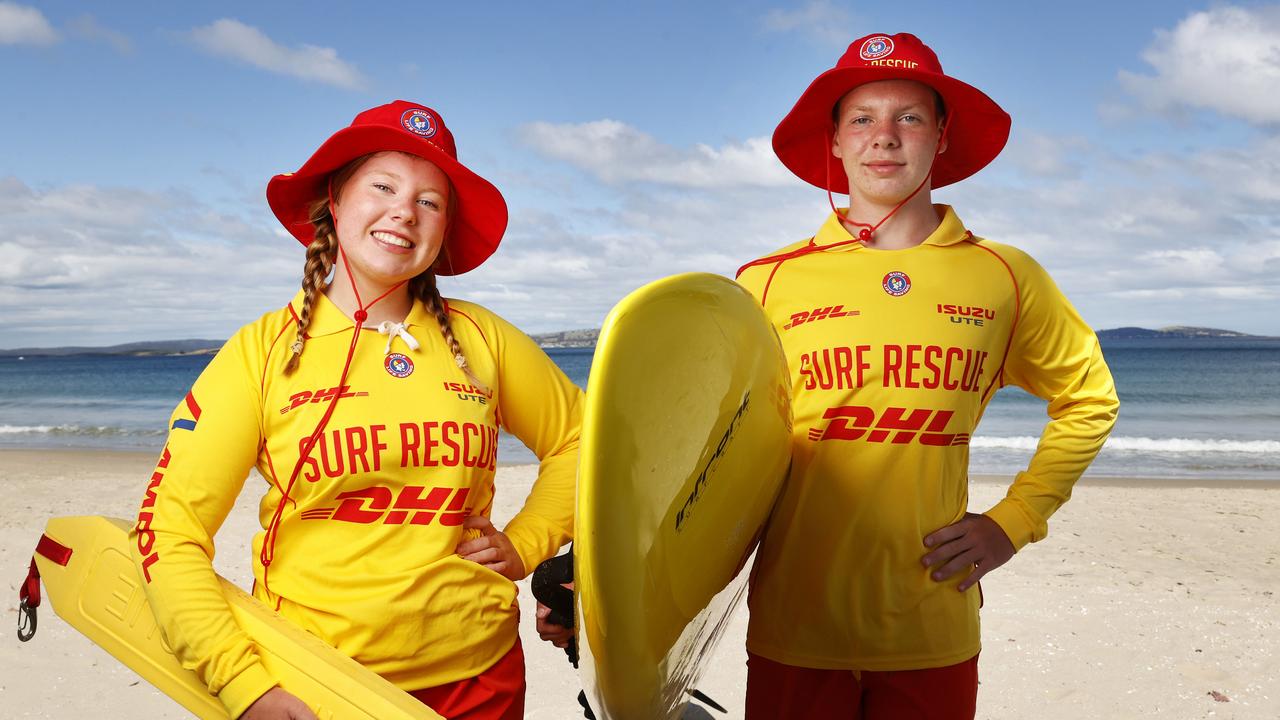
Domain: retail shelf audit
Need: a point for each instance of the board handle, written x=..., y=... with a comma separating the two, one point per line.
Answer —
x=548, y=585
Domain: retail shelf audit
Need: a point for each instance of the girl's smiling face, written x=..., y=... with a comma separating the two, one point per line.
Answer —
x=391, y=216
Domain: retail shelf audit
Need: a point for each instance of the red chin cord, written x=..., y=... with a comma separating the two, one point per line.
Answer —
x=268, y=553
x=867, y=232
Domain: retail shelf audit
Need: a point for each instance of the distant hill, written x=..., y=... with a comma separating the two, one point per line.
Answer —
x=567, y=339
x=1178, y=332
x=150, y=347
x=574, y=339
x=563, y=339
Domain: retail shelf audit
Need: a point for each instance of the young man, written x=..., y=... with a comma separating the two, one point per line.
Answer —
x=899, y=324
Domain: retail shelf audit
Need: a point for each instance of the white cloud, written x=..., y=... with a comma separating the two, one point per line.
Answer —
x=233, y=39
x=87, y=27
x=1252, y=173
x=88, y=265
x=821, y=19
x=617, y=153
x=575, y=266
x=1184, y=263
x=1226, y=59
x=23, y=25
x=1043, y=156
x=1149, y=239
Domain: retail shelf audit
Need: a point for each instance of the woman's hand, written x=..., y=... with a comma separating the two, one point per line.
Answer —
x=278, y=704
x=492, y=549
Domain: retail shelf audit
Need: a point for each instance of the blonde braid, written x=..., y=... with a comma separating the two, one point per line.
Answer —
x=424, y=288
x=321, y=254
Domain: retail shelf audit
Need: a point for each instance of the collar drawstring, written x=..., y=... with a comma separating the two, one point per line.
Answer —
x=267, y=555
x=394, y=330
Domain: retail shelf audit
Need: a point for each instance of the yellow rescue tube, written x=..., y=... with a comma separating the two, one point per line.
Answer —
x=99, y=593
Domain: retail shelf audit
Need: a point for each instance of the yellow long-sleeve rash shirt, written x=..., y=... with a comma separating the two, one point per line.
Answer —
x=894, y=356
x=364, y=556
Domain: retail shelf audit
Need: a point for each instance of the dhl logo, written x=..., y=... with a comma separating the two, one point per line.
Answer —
x=820, y=313
x=416, y=504
x=318, y=396
x=898, y=426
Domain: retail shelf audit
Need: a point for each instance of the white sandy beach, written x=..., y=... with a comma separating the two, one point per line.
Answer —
x=1149, y=599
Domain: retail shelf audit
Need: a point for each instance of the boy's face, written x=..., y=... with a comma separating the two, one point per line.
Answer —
x=886, y=135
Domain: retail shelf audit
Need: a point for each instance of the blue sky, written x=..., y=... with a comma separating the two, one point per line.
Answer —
x=631, y=142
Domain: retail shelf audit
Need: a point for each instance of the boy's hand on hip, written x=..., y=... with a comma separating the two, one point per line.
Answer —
x=975, y=543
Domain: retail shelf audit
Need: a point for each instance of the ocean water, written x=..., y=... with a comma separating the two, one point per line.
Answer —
x=1189, y=408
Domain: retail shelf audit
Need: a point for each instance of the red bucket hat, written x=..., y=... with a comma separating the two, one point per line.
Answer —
x=481, y=218
x=977, y=127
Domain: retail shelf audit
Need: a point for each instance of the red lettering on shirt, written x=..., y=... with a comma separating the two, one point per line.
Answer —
x=410, y=439
x=448, y=444
x=835, y=368
x=895, y=425
x=417, y=504
x=931, y=367
x=146, y=537
x=819, y=313
x=299, y=399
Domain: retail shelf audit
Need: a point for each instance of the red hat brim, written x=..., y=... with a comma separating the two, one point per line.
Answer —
x=474, y=233
x=978, y=129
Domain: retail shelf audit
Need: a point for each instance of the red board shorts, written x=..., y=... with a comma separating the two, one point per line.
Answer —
x=495, y=694
x=781, y=691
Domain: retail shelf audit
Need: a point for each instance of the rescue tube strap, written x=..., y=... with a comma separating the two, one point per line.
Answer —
x=29, y=590
x=28, y=601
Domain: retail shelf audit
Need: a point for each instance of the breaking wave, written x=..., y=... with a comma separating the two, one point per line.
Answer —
x=1144, y=444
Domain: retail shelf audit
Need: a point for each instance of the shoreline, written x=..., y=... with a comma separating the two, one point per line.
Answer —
x=84, y=454
x=1147, y=596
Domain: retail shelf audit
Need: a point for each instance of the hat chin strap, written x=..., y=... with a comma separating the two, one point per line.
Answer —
x=867, y=233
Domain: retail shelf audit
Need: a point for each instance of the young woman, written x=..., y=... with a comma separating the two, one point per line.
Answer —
x=371, y=406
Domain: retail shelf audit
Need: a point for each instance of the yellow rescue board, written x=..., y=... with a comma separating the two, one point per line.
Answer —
x=99, y=593
x=685, y=445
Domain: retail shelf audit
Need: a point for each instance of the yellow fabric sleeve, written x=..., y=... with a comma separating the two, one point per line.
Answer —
x=1056, y=357
x=195, y=484
x=541, y=407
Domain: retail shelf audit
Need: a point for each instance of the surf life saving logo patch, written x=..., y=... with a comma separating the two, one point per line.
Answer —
x=398, y=365
x=874, y=48
x=419, y=122
x=896, y=283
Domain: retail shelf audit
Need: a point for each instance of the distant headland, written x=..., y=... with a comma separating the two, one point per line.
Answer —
x=151, y=347
x=1175, y=332
x=574, y=339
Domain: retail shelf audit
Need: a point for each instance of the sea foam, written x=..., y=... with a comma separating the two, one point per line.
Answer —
x=1144, y=444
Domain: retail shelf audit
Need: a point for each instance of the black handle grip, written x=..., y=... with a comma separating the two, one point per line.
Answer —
x=548, y=588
